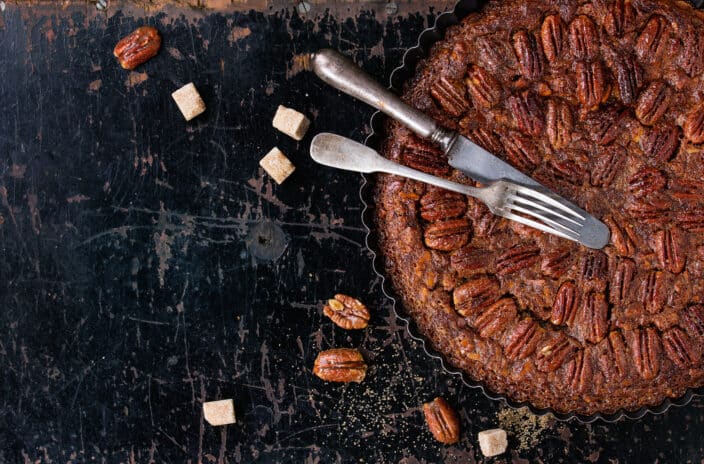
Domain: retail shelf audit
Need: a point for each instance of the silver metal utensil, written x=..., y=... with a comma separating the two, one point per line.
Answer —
x=534, y=206
x=341, y=73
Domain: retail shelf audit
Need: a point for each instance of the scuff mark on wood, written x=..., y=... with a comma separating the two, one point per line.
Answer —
x=95, y=85
x=239, y=33
x=135, y=78
x=34, y=216
x=77, y=198
x=17, y=171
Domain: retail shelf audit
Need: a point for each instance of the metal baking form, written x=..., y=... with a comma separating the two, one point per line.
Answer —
x=378, y=121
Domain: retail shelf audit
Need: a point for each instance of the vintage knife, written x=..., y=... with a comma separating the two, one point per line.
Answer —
x=342, y=74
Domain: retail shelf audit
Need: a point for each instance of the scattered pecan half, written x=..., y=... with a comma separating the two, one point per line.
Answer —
x=592, y=85
x=495, y=318
x=450, y=95
x=656, y=210
x=483, y=87
x=347, y=312
x=691, y=58
x=653, y=38
x=421, y=155
x=523, y=339
x=694, y=125
x=629, y=78
x=556, y=262
x=646, y=181
x=487, y=139
x=620, y=18
x=516, y=258
x=138, y=47
x=495, y=54
x=652, y=103
x=527, y=113
x=691, y=220
x=593, y=321
x=693, y=319
x=621, y=281
x=442, y=421
x=520, y=151
x=646, y=348
x=584, y=39
x=438, y=204
x=340, y=365
x=559, y=123
x=448, y=235
x=662, y=143
x=653, y=291
x=555, y=352
x=609, y=125
x=552, y=33
x=621, y=236
x=607, y=166
x=529, y=53
x=681, y=349
x=475, y=295
x=579, y=372
x=670, y=248
x=613, y=357
x=468, y=260
x=565, y=305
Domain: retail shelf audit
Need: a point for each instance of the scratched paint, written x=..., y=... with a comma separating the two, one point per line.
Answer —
x=129, y=295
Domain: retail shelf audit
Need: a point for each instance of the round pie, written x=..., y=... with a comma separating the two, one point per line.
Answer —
x=603, y=102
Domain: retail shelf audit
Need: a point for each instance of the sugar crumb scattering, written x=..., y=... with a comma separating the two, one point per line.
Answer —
x=526, y=427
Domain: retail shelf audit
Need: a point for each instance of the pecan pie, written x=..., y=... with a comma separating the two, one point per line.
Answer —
x=603, y=102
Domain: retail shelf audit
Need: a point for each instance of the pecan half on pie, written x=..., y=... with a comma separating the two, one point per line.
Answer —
x=603, y=102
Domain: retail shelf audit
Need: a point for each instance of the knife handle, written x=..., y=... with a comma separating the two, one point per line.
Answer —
x=341, y=73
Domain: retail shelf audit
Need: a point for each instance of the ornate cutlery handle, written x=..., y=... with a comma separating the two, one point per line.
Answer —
x=341, y=73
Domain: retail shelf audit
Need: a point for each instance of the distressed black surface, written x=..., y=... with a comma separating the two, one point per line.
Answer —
x=129, y=288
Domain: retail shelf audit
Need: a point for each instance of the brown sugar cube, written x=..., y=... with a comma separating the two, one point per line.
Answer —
x=188, y=101
x=219, y=412
x=290, y=122
x=493, y=442
x=277, y=165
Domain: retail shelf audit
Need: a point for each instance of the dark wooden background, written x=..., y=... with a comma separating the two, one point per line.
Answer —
x=134, y=284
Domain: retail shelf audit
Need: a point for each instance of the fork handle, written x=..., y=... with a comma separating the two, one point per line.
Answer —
x=341, y=73
x=340, y=152
x=391, y=167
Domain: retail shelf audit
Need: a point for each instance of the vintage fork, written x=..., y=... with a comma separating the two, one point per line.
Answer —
x=533, y=206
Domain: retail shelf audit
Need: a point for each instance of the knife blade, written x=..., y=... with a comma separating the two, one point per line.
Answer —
x=482, y=166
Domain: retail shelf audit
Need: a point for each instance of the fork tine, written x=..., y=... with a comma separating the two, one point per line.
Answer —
x=538, y=205
x=552, y=203
x=547, y=196
x=539, y=226
x=545, y=219
x=536, y=194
